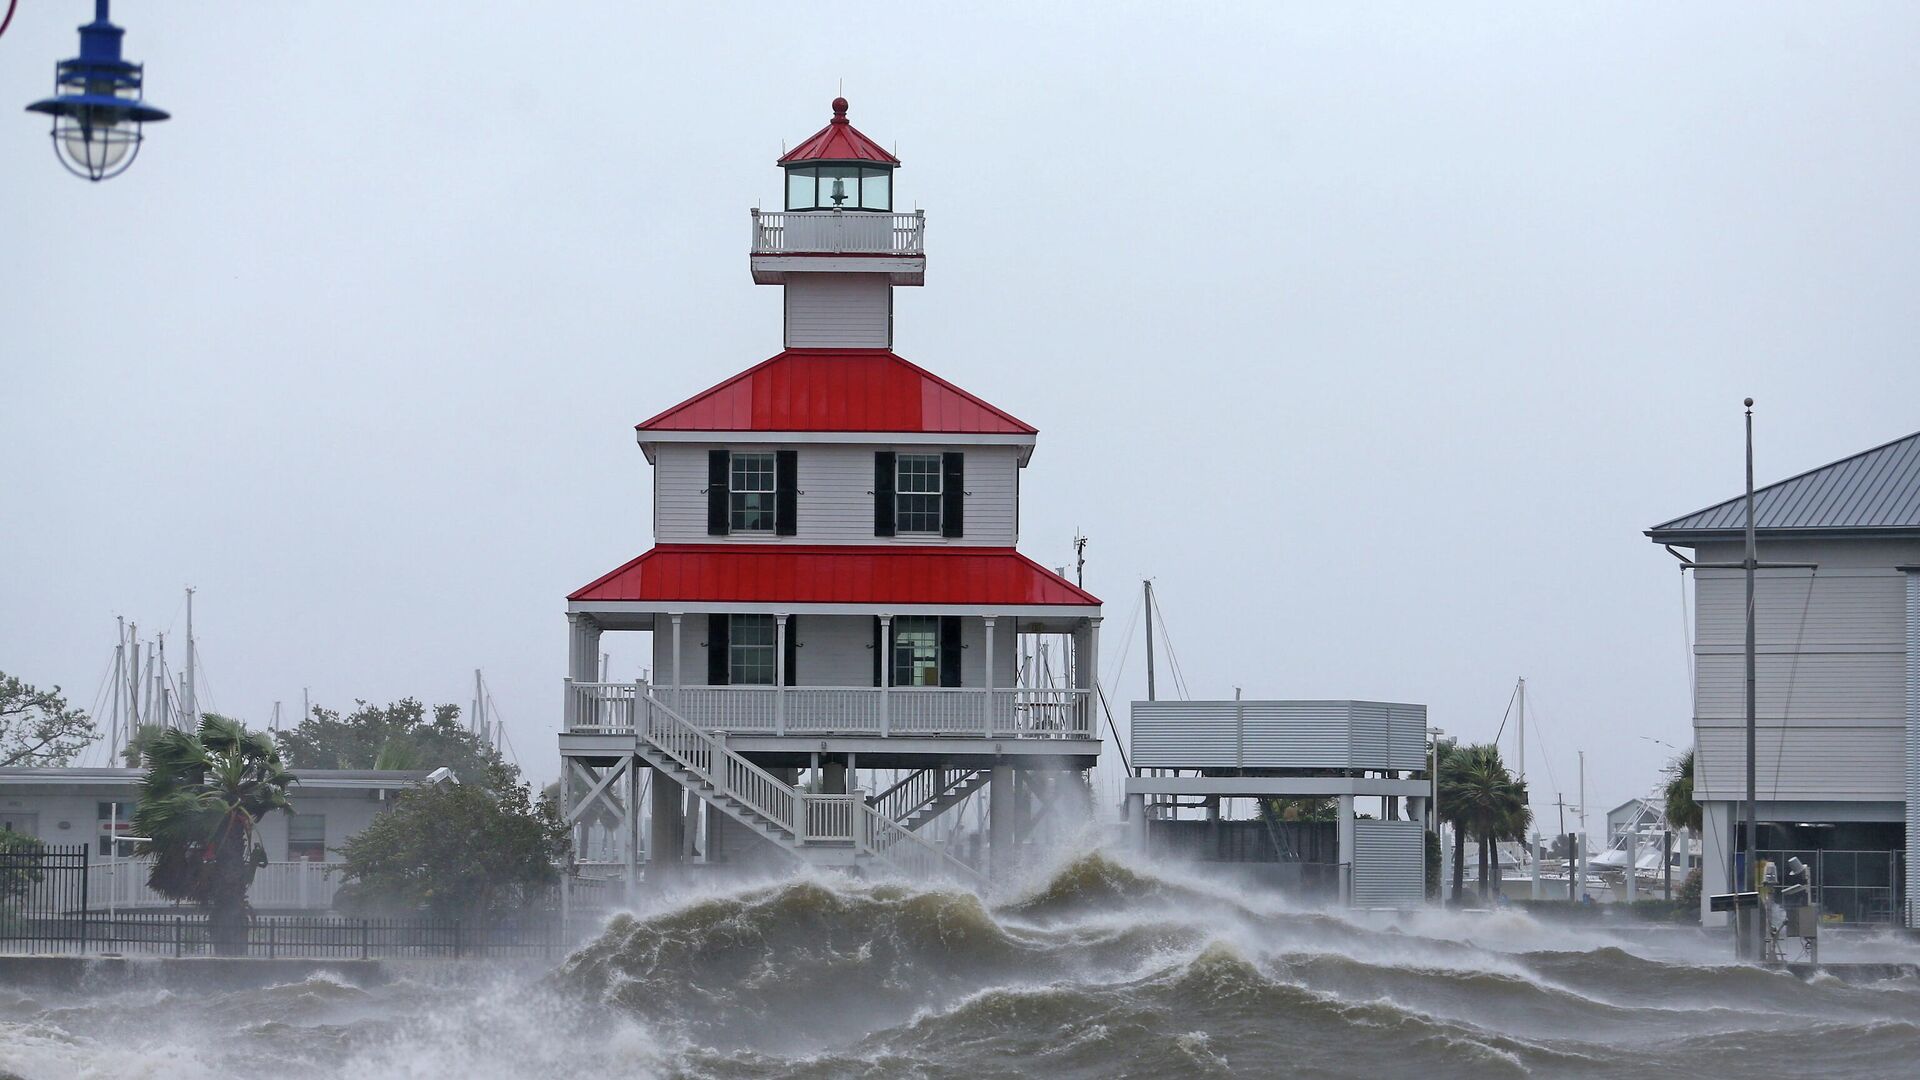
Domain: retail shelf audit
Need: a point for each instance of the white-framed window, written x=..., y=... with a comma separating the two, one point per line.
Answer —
x=916, y=650
x=751, y=492
x=114, y=818
x=307, y=838
x=750, y=650
x=916, y=486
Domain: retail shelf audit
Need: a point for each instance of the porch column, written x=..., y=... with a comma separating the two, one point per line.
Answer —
x=779, y=674
x=583, y=663
x=630, y=828
x=1086, y=675
x=1000, y=813
x=1137, y=822
x=886, y=671
x=1345, y=837
x=988, y=681
x=663, y=837
x=1912, y=914
x=675, y=618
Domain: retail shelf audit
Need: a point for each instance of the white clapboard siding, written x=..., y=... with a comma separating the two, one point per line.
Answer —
x=1839, y=764
x=1829, y=673
x=833, y=650
x=835, y=503
x=839, y=311
x=1797, y=608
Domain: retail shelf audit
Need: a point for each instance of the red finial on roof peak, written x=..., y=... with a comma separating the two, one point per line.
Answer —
x=840, y=141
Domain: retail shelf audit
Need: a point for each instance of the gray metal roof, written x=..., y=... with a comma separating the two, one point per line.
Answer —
x=352, y=779
x=1874, y=491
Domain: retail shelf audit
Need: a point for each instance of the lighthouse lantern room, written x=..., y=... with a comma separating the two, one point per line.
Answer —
x=852, y=662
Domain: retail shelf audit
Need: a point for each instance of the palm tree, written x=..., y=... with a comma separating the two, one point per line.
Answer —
x=1453, y=808
x=1682, y=812
x=200, y=803
x=1481, y=798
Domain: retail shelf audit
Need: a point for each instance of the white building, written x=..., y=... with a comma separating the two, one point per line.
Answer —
x=1837, y=757
x=85, y=807
x=844, y=637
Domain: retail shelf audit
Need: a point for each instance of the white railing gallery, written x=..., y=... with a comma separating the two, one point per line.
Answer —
x=834, y=232
x=284, y=886
x=1030, y=713
x=806, y=817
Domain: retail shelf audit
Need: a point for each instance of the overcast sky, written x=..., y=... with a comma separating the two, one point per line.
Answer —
x=1375, y=337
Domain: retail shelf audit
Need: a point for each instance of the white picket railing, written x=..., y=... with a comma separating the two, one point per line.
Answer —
x=1043, y=713
x=908, y=851
x=284, y=886
x=830, y=817
x=834, y=232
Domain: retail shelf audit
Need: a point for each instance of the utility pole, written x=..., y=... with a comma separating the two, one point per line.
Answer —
x=1583, y=793
x=476, y=722
x=1747, y=922
x=1147, y=593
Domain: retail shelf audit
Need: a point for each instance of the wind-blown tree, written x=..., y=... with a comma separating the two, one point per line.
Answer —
x=1482, y=799
x=1450, y=763
x=396, y=736
x=38, y=728
x=201, y=804
x=475, y=853
x=18, y=874
x=1681, y=811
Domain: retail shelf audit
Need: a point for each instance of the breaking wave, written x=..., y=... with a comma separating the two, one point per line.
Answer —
x=1091, y=968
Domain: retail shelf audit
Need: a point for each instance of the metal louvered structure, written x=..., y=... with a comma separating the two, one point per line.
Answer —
x=1874, y=492
x=1370, y=735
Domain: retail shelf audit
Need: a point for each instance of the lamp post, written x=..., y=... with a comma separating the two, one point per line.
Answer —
x=97, y=107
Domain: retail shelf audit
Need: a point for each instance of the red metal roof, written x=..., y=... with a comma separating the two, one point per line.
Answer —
x=839, y=141
x=817, y=574
x=837, y=390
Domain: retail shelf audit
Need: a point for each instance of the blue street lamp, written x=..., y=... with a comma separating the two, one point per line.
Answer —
x=97, y=108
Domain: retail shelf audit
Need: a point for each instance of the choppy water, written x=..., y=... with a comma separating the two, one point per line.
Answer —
x=1095, y=970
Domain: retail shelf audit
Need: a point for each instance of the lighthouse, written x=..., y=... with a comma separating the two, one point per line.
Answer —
x=852, y=662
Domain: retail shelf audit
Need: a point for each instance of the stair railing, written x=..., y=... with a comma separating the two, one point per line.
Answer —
x=906, y=850
x=701, y=753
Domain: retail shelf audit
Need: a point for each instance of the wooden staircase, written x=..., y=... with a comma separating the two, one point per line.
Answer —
x=824, y=829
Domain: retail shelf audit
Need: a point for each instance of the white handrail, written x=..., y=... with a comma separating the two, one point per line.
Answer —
x=805, y=816
x=833, y=232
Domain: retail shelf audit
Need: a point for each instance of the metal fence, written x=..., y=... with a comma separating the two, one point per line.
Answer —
x=45, y=907
x=1852, y=886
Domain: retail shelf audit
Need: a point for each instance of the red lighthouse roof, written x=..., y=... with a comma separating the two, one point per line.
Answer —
x=839, y=141
x=864, y=390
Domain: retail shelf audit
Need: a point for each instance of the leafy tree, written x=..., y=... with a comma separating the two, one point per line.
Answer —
x=38, y=728
x=137, y=743
x=1482, y=799
x=396, y=736
x=1306, y=809
x=475, y=853
x=1682, y=812
x=201, y=803
x=17, y=875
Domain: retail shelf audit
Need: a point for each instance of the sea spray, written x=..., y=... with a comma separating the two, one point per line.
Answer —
x=1093, y=966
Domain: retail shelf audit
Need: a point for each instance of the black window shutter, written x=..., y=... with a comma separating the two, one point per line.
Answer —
x=949, y=650
x=718, y=480
x=793, y=626
x=717, y=650
x=883, y=493
x=786, y=497
x=953, y=495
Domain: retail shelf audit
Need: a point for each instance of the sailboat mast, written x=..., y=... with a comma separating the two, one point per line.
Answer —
x=1520, y=732
x=1147, y=594
x=189, y=701
x=119, y=686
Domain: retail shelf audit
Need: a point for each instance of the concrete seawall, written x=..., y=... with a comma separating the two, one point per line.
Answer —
x=81, y=973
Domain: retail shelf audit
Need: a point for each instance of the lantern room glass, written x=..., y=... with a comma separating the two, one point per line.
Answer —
x=839, y=187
